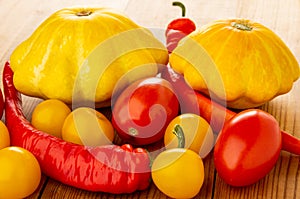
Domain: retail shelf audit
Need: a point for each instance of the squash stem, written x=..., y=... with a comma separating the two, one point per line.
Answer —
x=84, y=13
x=177, y=3
x=180, y=135
x=242, y=25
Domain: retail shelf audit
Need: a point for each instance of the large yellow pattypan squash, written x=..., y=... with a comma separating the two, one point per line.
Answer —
x=239, y=61
x=81, y=54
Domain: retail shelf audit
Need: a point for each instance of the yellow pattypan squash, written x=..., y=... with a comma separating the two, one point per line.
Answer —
x=239, y=61
x=81, y=53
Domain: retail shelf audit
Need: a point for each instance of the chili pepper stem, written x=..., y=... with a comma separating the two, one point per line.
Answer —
x=177, y=3
x=180, y=135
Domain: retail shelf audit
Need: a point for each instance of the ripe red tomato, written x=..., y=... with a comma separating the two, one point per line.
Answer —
x=247, y=148
x=143, y=110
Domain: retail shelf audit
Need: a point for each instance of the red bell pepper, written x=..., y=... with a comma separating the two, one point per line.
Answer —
x=110, y=168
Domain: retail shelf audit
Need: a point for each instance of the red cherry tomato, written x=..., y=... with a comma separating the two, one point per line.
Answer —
x=247, y=148
x=143, y=110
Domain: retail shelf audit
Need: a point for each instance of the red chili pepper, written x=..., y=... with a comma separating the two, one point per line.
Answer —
x=110, y=168
x=178, y=28
x=216, y=114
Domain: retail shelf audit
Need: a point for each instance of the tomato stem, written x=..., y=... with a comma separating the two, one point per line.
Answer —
x=180, y=135
x=177, y=3
x=133, y=131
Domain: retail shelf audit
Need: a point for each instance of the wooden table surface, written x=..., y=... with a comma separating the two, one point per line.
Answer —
x=20, y=18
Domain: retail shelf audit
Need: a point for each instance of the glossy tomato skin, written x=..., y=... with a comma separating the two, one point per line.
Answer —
x=143, y=110
x=247, y=148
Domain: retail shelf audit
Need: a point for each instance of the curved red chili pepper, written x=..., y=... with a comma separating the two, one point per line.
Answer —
x=110, y=168
x=178, y=28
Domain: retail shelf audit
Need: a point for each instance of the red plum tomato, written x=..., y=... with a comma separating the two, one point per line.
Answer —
x=247, y=148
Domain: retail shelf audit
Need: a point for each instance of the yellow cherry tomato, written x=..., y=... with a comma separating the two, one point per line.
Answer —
x=86, y=126
x=178, y=173
x=197, y=134
x=20, y=173
x=4, y=136
x=49, y=116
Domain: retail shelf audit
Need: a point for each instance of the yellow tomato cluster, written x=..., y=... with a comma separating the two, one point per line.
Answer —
x=178, y=171
x=83, y=125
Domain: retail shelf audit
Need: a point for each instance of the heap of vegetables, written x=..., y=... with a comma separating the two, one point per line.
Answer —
x=149, y=109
